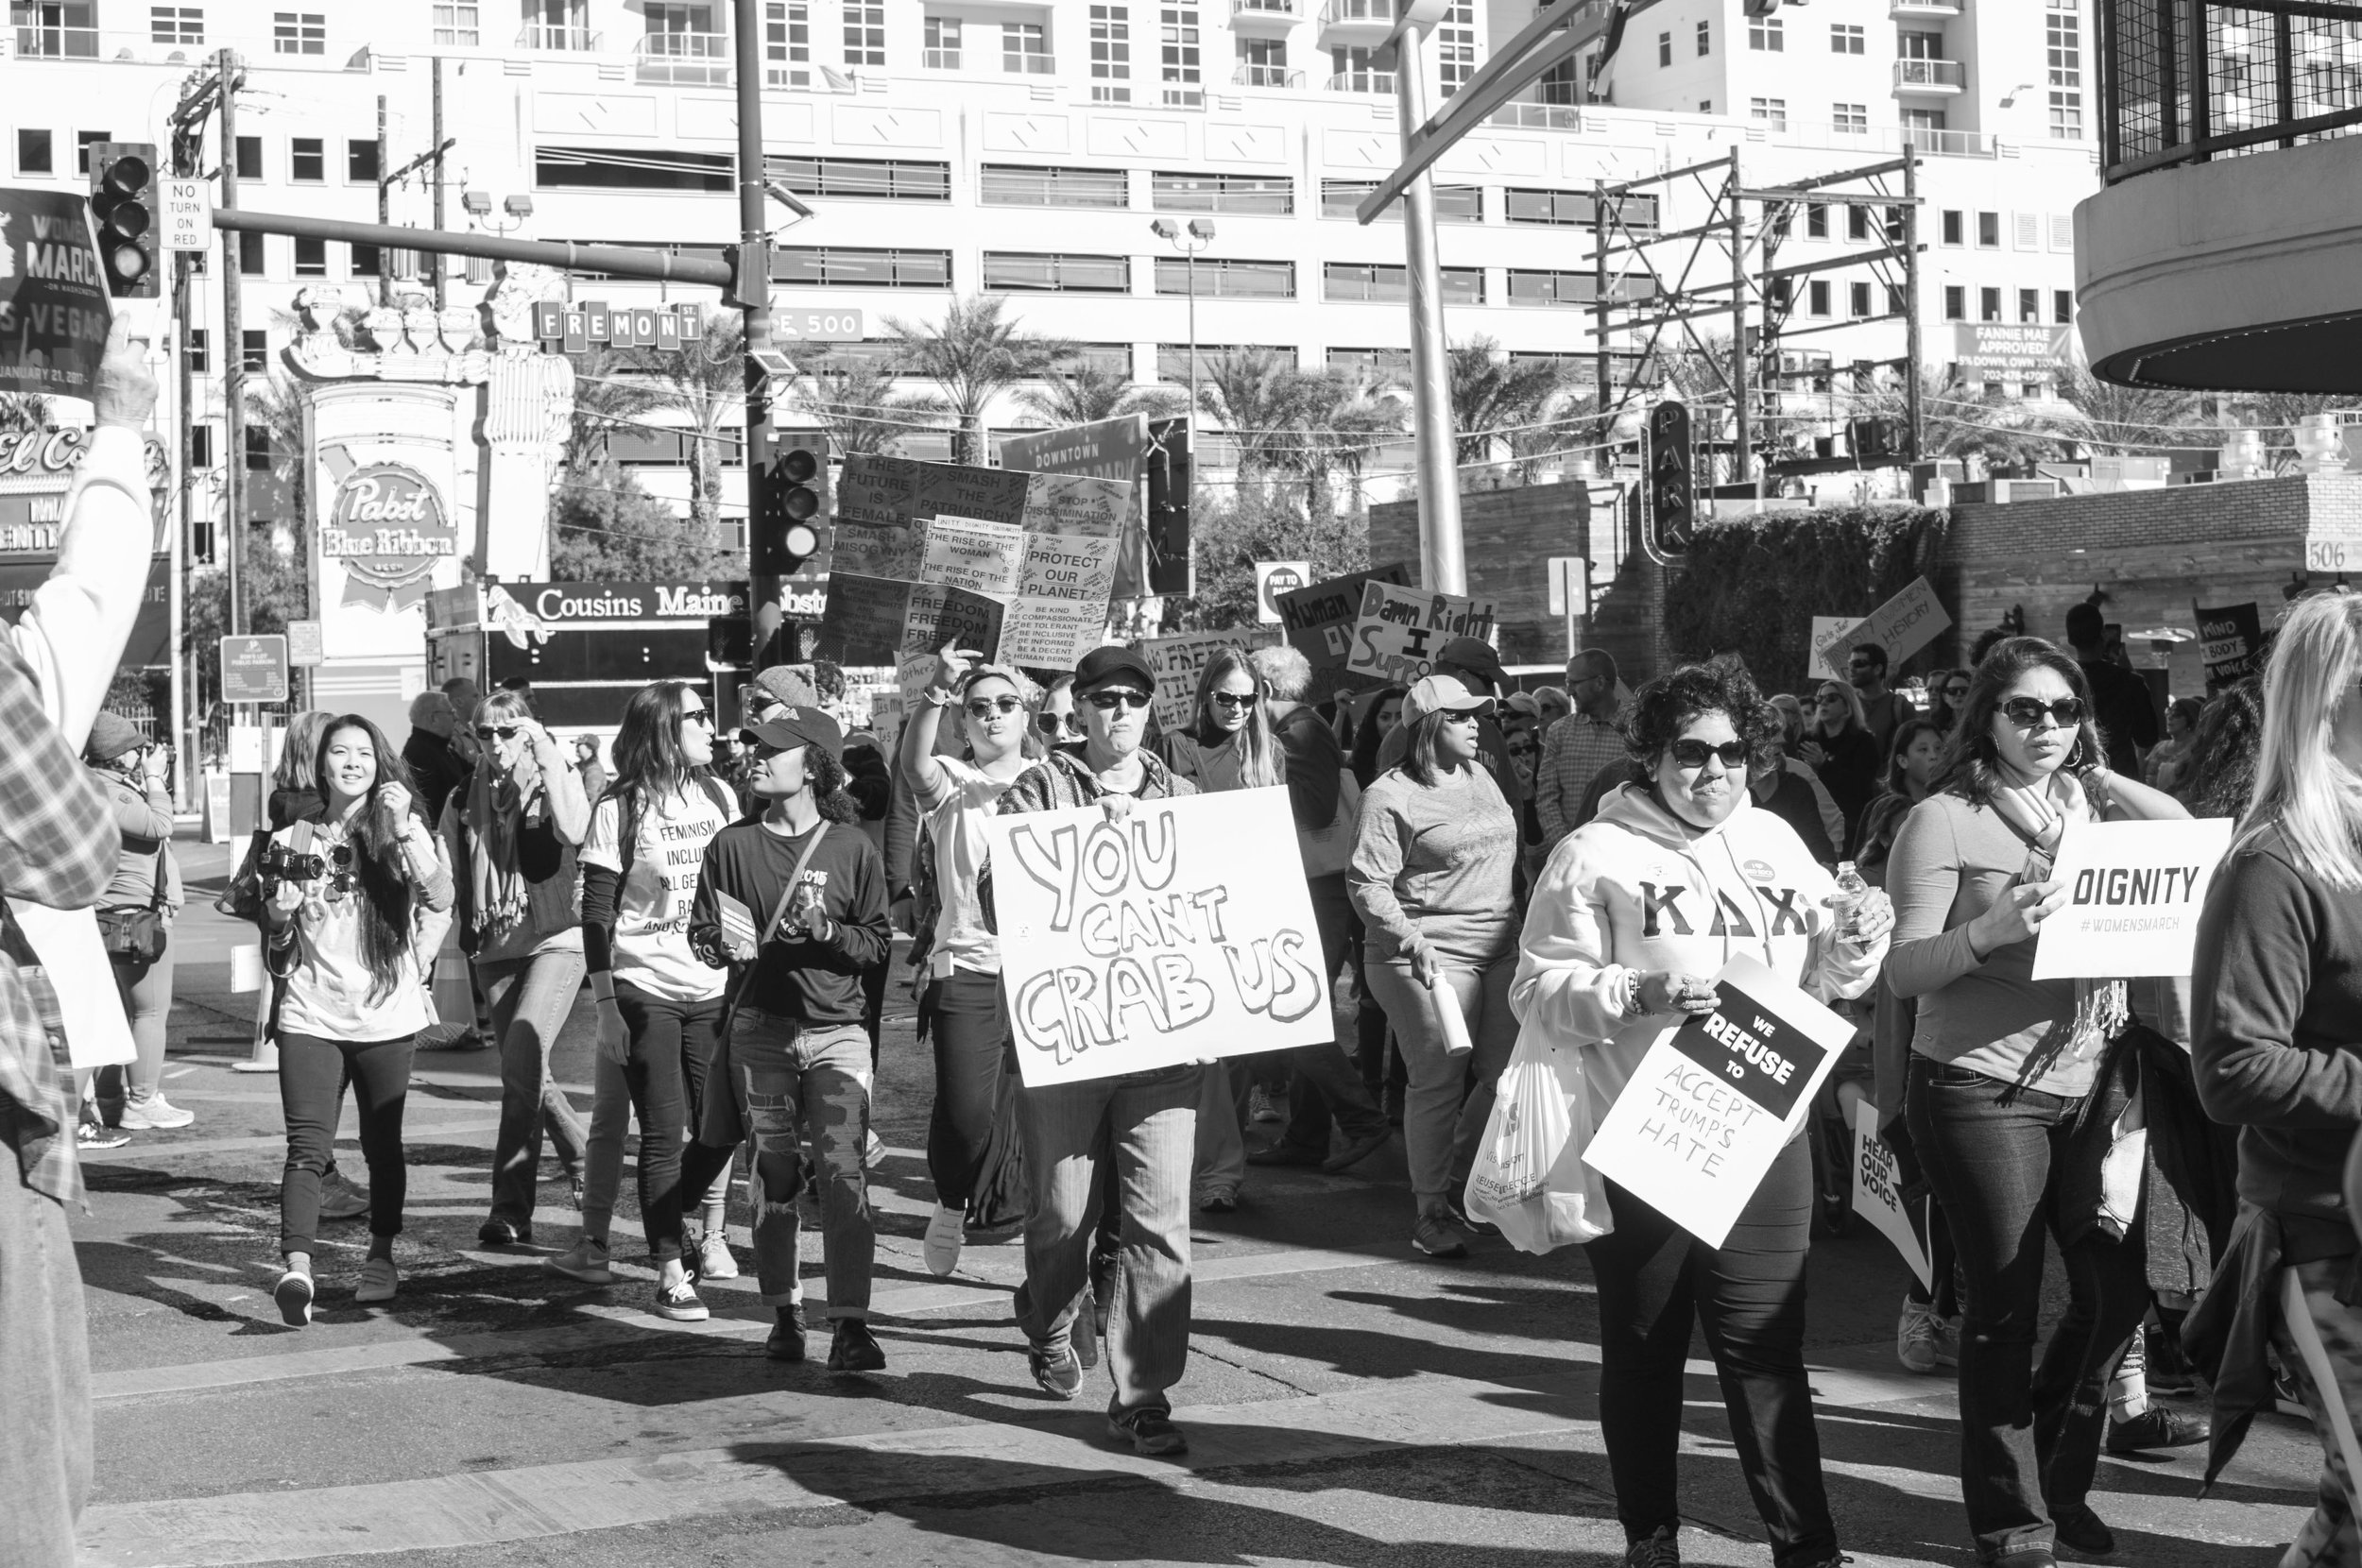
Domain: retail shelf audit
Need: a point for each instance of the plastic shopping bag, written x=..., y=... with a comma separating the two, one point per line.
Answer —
x=1528, y=1177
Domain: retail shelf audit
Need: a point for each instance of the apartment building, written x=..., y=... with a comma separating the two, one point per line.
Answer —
x=965, y=147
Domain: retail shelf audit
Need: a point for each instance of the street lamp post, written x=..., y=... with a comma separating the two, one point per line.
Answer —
x=1201, y=232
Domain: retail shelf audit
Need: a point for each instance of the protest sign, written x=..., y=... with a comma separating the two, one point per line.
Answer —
x=1826, y=631
x=941, y=614
x=971, y=553
x=955, y=489
x=2134, y=890
x=1077, y=503
x=1399, y=631
x=1318, y=620
x=1714, y=1099
x=2229, y=642
x=1184, y=931
x=1878, y=1194
x=1901, y=626
x=1068, y=567
x=1177, y=661
x=862, y=620
x=1052, y=634
x=54, y=312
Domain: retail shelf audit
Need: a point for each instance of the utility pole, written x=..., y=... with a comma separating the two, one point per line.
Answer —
x=232, y=355
x=388, y=177
x=385, y=209
x=754, y=295
x=188, y=146
x=435, y=263
x=1911, y=297
x=1443, y=564
x=1742, y=458
x=1598, y=303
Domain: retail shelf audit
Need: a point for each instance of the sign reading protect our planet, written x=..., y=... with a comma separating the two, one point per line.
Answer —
x=1713, y=1099
x=1181, y=933
x=54, y=311
x=2134, y=890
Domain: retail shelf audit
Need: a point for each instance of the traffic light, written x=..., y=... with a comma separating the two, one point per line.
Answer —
x=1169, y=565
x=1672, y=515
x=790, y=504
x=123, y=210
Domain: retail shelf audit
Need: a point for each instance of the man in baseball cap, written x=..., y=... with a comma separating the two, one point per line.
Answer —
x=1472, y=656
x=1113, y=665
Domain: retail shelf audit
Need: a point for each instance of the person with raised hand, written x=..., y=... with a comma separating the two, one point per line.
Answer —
x=971, y=1152
x=660, y=1005
x=357, y=911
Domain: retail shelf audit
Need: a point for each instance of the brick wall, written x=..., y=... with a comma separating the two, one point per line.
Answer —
x=1507, y=536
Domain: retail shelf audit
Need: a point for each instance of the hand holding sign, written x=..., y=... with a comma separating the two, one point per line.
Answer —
x=1668, y=992
x=126, y=393
x=2014, y=917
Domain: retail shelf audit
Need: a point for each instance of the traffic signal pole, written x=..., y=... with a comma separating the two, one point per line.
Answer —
x=233, y=354
x=754, y=299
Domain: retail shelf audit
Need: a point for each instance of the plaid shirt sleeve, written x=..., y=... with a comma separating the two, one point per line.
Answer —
x=58, y=846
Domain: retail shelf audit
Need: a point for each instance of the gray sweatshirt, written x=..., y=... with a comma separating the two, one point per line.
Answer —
x=1436, y=866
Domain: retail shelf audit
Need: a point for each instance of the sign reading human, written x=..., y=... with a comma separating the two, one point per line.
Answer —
x=2134, y=890
x=1715, y=1097
x=1180, y=933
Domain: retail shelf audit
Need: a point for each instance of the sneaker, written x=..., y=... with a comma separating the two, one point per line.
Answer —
x=1260, y=1108
x=1660, y=1549
x=852, y=1348
x=2169, y=1368
x=1358, y=1150
x=445, y=1037
x=946, y=1229
x=2080, y=1529
x=679, y=1302
x=1218, y=1198
x=340, y=1198
x=2153, y=1428
x=1057, y=1370
x=500, y=1233
x=379, y=1281
x=586, y=1260
x=1915, y=1336
x=786, y=1342
x=294, y=1295
x=1437, y=1237
x=1149, y=1432
x=90, y=1135
x=713, y=1261
x=152, y=1115
x=873, y=1153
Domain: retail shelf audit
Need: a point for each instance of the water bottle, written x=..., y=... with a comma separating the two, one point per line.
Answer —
x=1846, y=910
x=1444, y=1003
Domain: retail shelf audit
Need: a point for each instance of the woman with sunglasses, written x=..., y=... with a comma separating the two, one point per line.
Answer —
x=1635, y=913
x=660, y=1005
x=1433, y=877
x=353, y=944
x=1841, y=749
x=513, y=834
x=971, y=1143
x=2001, y=1065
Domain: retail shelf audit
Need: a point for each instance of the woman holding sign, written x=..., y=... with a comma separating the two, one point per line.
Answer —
x=2001, y=1066
x=1635, y=914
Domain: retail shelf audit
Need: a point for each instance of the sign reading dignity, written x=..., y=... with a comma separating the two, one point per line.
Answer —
x=1182, y=932
x=54, y=312
x=2134, y=890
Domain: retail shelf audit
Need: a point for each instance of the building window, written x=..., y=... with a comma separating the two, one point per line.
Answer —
x=83, y=142
x=1954, y=226
x=1771, y=111
x=1858, y=298
x=311, y=258
x=1025, y=48
x=255, y=344
x=1228, y=279
x=1988, y=304
x=864, y=32
x=1955, y=302
x=307, y=160
x=872, y=179
x=250, y=158
x=200, y=446
x=1252, y=195
x=2062, y=307
x=846, y=266
x=456, y=23
x=176, y=25
x=1178, y=35
x=1384, y=282
x=1552, y=288
x=1455, y=46
x=1816, y=296
x=1016, y=271
x=1850, y=119
x=1262, y=62
x=2062, y=38
x=1111, y=54
x=1816, y=220
x=250, y=261
x=298, y=33
x=943, y=43
x=1354, y=70
x=1846, y=39
x=36, y=152
x=1767, y=35
x=1989, y=230
x=361, y=162
x=1856, y=221
x=192, y=348
x=258, y=449
x=787, y=43
x=1017, y=185
x=1665, y=48
x=1342, y=199
x=2029, y=307
x=1392, y=365
x=367, y=260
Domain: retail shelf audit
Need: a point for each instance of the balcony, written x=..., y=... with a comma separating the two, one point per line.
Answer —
x=551, y=38
x=1539, y=116
x=683, y=59
x=1923, y=10
x=1941, y=79
x=1349, y=23
x=40, y=43
x=1028, y=65
x=1265, y=18
x=1948, y=143
x=1267, y=75
x=1361, y=81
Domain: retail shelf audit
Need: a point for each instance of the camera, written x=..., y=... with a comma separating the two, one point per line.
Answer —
x=283, y=864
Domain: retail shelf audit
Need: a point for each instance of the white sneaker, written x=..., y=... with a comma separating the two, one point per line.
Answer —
x=586, y=1260
x=946, y=1229
x=873, y=1154
x=1915, y=1336
x=379, y=1281
x=714, y=1258
x=153, y=1114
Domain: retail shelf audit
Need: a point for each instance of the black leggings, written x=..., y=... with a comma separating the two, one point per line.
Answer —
x=971, y=1137
x=312, y=1073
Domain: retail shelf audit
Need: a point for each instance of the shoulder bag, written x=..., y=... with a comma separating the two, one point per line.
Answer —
x=136, y=935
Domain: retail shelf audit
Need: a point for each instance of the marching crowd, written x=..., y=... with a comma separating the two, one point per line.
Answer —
x=1574, y=866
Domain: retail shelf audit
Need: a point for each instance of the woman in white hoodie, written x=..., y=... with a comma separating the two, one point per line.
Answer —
x=1635, y=913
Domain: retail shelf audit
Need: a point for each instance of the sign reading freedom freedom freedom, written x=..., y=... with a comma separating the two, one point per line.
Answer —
x=53, y=296
x=1181, y=933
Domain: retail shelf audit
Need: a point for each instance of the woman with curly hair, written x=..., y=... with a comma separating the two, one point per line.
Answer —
x=2001, y=1067
x=1635, y=914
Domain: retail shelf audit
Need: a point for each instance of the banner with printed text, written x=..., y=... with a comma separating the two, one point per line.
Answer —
x=54, y=311
x=2135, y=891
x=1184, y=931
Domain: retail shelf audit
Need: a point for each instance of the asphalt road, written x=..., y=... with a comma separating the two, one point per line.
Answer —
x=1347, y=1402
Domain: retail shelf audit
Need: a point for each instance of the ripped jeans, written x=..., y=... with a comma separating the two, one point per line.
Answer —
x=783, y=1075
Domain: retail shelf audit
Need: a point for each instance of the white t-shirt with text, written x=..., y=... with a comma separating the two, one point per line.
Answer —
x=652, y=908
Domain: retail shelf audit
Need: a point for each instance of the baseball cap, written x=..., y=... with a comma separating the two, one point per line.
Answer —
x=1474, y=653
x=1438, y=694
x=111, y=736
x=791, y=727
x=1109, y=664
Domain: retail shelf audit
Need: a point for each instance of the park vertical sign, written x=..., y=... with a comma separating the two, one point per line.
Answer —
x=54, y=311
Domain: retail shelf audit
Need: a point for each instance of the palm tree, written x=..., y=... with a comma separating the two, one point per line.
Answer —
x=2134, y=419
x=704, y=380
x=853, y=398
x=1253, y=395
x=976, y=354
x=23, y=411
x=1493, y=397
x=1342, y=420
x=1082, y=393
x=607, y=394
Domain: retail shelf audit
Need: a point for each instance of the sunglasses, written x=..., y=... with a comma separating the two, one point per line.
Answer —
x=985, y=708
x=505, y=732
x=2026, y=712
x=1240, y=700
x=697, y=716
x=1107, y=702
x=1057, y=724
x=1693, y=753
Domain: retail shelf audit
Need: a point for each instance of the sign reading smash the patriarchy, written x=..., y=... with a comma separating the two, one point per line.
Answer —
x=1180, y=933
x=1713, y=1101
x=2134, y=890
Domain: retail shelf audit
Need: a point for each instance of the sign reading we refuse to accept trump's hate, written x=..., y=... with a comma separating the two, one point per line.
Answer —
x=2134, y=890
x=1182, y=932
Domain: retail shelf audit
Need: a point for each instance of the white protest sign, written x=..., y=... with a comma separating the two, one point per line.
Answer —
x=1714, y=1099
x=1179, y=660
x=1878, y=1194
x=1901, y=626
x=1052, y=634
x=2134, y=890
x=1826, y=631
x=973, y=553
x=1400, y=630
x=1182, y=932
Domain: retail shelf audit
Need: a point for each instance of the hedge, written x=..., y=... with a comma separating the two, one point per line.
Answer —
x=1753, y=584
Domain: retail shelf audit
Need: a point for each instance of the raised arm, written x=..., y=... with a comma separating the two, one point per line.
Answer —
x=58, y=842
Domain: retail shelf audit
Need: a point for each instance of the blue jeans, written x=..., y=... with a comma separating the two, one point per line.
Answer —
x=1997, y=1171
x=44, y=1372
x=1146, y=1125
x=531, y=998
